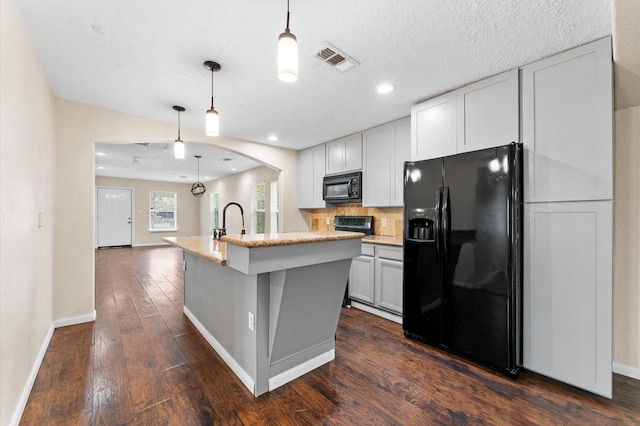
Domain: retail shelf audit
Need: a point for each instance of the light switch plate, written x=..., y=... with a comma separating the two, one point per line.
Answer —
x=328, y=221
x=384, y=222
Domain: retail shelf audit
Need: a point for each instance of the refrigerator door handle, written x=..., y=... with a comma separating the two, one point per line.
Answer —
x=446, y=219
x=436, y=224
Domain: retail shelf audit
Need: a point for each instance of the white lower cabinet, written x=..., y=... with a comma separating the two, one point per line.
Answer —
x=376, y=277
x=567, y=292
x=361, y=278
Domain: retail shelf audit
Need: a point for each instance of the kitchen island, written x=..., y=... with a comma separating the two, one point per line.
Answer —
x=268, y=303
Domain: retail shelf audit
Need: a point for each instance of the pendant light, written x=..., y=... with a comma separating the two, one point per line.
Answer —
x=178, y=145
x=198, y=189
x=212, y=126
x=287, y=54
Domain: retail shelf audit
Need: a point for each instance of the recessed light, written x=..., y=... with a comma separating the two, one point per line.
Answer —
x=233, y=169
x=99, y=167
x=100, y=153
x=272, y=138
x=384, y=88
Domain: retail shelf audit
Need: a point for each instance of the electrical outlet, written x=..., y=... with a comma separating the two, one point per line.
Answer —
x=252, y=322
x=328, y=220
x=384, y=222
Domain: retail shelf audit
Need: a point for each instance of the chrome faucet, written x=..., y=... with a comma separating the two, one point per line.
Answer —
x=224, y=218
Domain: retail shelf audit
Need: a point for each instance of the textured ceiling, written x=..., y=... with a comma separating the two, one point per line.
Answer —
x=143, y=56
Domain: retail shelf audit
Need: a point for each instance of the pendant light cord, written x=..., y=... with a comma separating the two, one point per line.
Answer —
x=212, y=89
x=178, y=125
x=287, y=29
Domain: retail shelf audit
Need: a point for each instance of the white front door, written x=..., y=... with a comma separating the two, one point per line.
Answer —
x=114, y=217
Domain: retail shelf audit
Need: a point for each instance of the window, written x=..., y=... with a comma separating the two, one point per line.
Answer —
x=275, y=194
x=214, y=210
x=258, y=200
x=163, y=208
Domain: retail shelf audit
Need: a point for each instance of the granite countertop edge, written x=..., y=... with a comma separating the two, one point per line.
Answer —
x=383, y=240
x=289, y=238
x=203, y=246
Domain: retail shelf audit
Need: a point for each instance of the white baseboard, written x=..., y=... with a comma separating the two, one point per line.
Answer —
x=75, y=320
x=22, y=403
x=150, y=244
x=625, y=370
x=375, y=311
x=244, y=377
x=299, y=370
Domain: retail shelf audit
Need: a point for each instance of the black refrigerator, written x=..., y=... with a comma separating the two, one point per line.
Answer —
x=462, y=273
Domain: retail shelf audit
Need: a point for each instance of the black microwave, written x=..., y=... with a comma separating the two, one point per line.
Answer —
x=345, y=188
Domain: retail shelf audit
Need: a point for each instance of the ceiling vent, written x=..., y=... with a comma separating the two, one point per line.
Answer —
x=336, y=59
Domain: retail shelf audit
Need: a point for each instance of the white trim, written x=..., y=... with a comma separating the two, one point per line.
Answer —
x=244, y=377
x=625, y=370
x=299, y=370
x=26, y=391
x=75, y=320
x=375, y=311
x=151, y=244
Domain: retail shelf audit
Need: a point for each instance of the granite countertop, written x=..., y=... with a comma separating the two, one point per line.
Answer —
x=216, y=251
x=287, y=238
x=203, y=246
x=384, y=240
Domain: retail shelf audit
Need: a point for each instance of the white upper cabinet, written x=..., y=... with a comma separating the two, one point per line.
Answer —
x=311, y=171
x=567, y=104
x=480, y=115
x=385, y=149
x=344, y=154
x=488, y=112
x=433, y=128
x=401, y=153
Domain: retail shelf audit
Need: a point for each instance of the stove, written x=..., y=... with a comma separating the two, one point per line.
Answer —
x=362, y=224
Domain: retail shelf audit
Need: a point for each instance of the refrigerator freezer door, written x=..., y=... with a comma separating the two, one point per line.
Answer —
x=422, y=270
x=478, y=318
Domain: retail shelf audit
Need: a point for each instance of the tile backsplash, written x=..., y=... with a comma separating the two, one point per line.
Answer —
x=392, y=214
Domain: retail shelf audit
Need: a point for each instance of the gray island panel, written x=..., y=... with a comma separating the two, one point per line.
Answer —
x=270, y=311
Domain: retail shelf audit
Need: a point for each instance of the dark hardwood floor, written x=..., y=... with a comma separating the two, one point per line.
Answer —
x=143, y=363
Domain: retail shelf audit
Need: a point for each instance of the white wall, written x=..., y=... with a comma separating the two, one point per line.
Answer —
x=187, y=214
x=236, y=188
x=26, y=189
x=626, y=276
x=78, y=128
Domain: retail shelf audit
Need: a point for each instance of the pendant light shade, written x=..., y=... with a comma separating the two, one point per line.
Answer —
x=178, y=149
x=287, y=54
x=178, y=145
x=212, y=124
